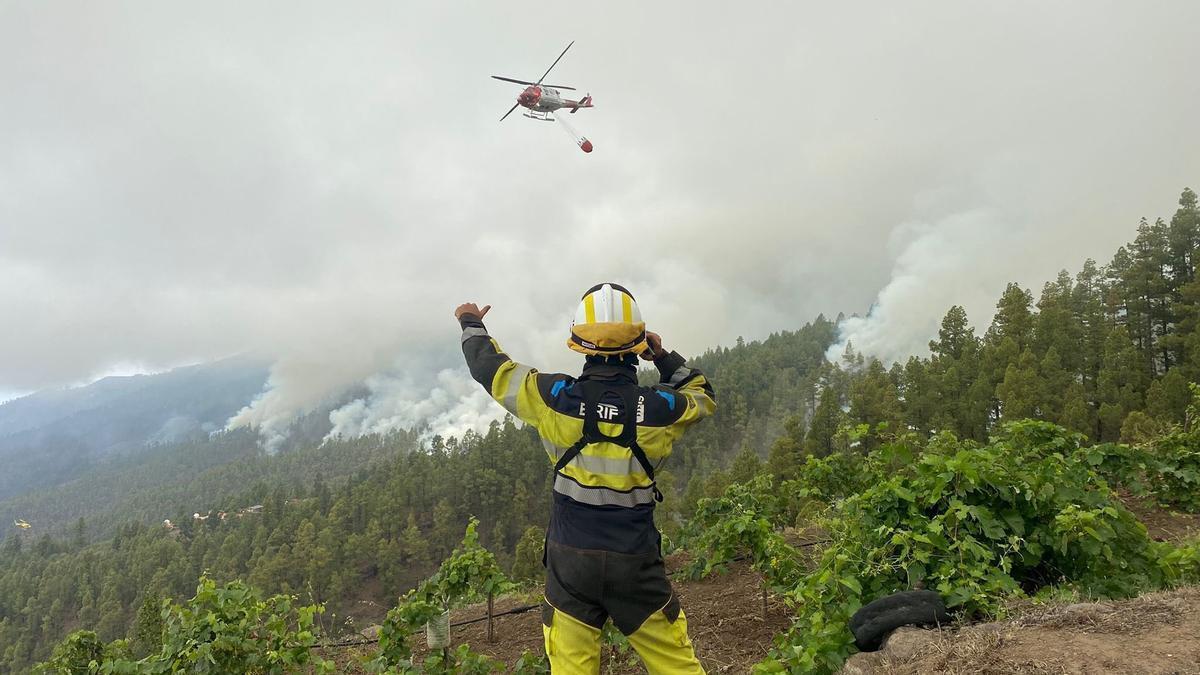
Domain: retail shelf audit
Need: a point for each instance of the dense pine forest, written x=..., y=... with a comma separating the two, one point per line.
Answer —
x=1108, y=352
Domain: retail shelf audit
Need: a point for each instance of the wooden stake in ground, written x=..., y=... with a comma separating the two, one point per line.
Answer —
x=491, y=633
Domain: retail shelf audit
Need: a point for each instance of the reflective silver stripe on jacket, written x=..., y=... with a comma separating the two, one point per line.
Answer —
x=602, y=496
x=473, y=331
x=551, y=449
x=515, y=381
x=681, y=373
x=608, y=465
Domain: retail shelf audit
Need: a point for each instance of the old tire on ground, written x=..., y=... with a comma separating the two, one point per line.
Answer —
x=876, y=620
x=887, y=603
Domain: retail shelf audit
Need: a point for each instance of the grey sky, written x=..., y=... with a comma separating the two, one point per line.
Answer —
x=323, y=183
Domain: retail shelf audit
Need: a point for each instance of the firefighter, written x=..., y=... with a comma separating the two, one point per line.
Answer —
x=606, y=437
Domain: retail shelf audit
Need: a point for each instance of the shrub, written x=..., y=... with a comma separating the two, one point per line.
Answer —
x=527, y=559
x=81, y=652
x=742, y=522
x=228, y=629
x=1180, y=564
x=976, y=524
x=531, y=664
x=1166, y=469
x=470, y=573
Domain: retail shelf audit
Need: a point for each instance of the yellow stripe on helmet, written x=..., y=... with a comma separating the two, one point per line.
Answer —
x=589, y=308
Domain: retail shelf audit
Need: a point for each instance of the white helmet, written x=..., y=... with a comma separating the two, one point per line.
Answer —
x=608, y=323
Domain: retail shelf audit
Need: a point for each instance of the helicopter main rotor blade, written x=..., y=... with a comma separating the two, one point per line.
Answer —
x=509, y=79
x=533, y=84
x=564, y=53
x=510, y=111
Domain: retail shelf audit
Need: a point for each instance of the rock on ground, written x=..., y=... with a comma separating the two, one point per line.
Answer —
x=903, y=644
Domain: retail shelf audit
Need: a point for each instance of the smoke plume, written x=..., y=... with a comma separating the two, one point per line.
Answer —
x=321, y=185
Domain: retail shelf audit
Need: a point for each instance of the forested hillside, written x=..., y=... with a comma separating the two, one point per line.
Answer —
x=1108, y=352
x=192, y=476
x=58, y=435
x=1086, y=353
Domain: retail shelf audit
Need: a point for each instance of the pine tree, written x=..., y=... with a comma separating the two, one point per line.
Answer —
x=111, y=622
x=1139, y=428
x=827, y=418
x=396, y=563
x=1183, y=240
x=79, y=534
x=873, y=401
x=1120, y=384
x=1014, y=319
x=414, y=544
x=1088, y=311
x=88, y=615
x=1167, y=398
x=1183, y=248
x=322, y=494
x=1147, y=295
x=445, y=529
x=1019, y=391
x=955, y=335
x=527, y=561
x=1056, y=325
x=995, y=359
x=1076, y=414
x=746, y=465
x=1055, y=382
x=787, y=453
x=147, y=626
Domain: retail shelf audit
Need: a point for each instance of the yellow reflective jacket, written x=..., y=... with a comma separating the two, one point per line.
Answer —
x=603, y=497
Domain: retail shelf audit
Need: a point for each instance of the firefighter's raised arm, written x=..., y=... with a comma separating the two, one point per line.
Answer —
x=511, y=384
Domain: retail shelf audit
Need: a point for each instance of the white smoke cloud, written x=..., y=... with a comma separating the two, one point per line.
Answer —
x=963, y=244
x=962, y=259
x=455, y=404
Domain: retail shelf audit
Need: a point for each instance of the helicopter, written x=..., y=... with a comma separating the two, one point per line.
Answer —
x=543, y=100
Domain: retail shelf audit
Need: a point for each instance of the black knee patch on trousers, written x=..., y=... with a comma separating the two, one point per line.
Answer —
x=593, y=586
x=671, y=611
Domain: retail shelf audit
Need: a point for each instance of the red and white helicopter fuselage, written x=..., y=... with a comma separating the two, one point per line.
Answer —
x=541, y=101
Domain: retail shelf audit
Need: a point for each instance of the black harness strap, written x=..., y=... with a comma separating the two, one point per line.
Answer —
x=640, y=456
x=591, y=424
x=592, y=393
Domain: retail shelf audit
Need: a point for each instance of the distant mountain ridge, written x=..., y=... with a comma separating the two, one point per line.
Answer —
x=54, y=436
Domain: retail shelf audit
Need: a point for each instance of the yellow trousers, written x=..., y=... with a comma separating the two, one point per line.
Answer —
x=573, y=647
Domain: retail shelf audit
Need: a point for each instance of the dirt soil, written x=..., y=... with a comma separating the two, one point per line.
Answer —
x=724, y=613
x=1156, y=633
x=1163, y=524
